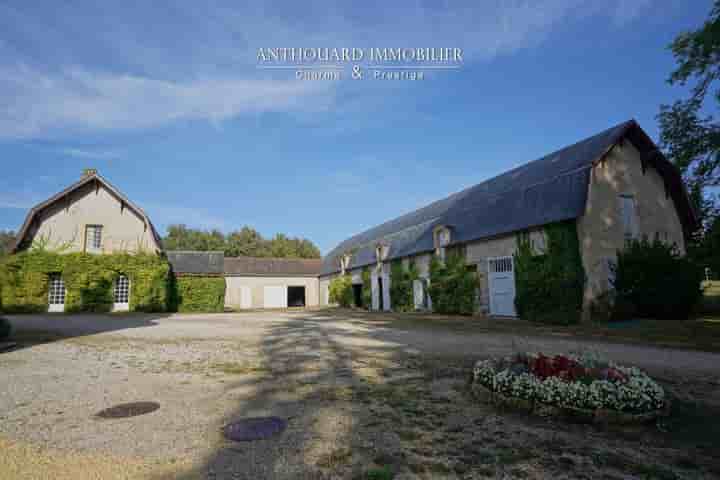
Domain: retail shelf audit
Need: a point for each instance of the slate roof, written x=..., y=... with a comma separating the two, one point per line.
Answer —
x=254, y=266
x=195, y=262
x=550, y=189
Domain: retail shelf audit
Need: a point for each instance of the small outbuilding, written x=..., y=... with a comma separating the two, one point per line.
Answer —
x=252, y=282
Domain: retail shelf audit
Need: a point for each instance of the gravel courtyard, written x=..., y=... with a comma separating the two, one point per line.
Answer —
x=363, y=397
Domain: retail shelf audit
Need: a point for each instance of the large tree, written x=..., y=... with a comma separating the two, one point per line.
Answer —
x=244, y=242
x=689, y=135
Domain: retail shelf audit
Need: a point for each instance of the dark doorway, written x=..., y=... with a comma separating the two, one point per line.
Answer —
x=357, y=293
x=296, y=296
x=381, y=306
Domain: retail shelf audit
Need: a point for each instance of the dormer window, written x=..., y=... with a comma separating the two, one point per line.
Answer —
x=344, y=263
x=93, y=238
x=442, y=240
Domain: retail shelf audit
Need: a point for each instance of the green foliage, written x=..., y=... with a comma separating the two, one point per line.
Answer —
x=366, y=288
x=197, y=294
x=88, y=280
x=656, y=280
x=549, y=285
x=453, y=288
x=5, y=328
x=690, y=138
x=341, y=291
x=7, y=239
x=401, y=286
x=244, y=242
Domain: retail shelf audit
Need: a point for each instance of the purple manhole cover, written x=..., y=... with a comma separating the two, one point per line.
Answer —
x=125, y=410
x=256, y=428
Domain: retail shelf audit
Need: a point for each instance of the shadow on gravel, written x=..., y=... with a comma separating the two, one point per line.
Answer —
x=313, y=384
x=30, y=330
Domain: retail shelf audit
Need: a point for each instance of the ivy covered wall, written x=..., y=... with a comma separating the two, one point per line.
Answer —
x=88, y=278
x=401, y=286
x=550, y=285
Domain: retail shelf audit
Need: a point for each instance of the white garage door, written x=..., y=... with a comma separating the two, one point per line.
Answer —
x=275, y=297
x=502, y=286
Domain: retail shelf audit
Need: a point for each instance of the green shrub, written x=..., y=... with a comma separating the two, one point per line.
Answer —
x=366, y=288
x=401, y=286
x=549, y=286
x=24, y=279
x=5, y=328
x=453, y=288
x=197, y=294
x=656, y=280
x=341, y=291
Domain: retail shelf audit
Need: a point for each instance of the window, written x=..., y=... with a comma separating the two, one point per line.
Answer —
x=56, y=290
x=443, y=238
x=93, y=238
x=629, y=217
x=121, y=291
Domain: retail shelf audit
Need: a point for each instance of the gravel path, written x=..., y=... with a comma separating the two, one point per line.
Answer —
x=208, y=370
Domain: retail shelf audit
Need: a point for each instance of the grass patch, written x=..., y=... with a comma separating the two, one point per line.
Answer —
x=234, y=368
x=382, y=473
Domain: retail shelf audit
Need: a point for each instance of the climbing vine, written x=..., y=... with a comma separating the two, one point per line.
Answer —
x=453, y=288
x=89, y=279
x=401, y=286
x=366, y=288
x=341, y=291
x=550, y=284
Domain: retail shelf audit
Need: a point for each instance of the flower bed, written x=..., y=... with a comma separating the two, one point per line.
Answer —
x=584, y=388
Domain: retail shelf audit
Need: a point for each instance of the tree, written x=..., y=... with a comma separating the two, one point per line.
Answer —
x=7, y=239
x=690, y=138
x=244, y=242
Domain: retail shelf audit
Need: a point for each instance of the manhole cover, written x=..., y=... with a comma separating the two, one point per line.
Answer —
x=125, y=410
x=256, y=428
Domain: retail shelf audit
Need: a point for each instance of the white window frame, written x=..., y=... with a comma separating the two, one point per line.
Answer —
x=93, y=238
x=56, y=293
x=122, y=288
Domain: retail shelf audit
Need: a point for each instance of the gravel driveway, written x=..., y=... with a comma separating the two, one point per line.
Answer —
x=206, y=370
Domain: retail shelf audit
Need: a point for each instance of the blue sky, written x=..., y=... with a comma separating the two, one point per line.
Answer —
x=167, y=102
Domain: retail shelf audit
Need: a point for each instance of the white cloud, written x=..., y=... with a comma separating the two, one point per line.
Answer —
x=157, y=64
x=78, y=99
x=89, y=154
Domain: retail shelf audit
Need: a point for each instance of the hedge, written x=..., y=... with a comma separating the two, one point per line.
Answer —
x=549, y=285
x=24, y=279
x=197, y=294
x=653, y=280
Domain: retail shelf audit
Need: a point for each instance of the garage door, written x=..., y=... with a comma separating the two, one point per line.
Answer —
x=275, y=297
x=502, y=286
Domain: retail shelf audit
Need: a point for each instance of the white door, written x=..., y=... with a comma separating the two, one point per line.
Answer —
x=375, y=290
x=275, y=297
x=121, y=294
x=501, y=275
x=419, y=294
x=56, y=294
x=245, y=297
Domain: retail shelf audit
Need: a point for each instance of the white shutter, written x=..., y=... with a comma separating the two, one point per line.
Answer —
x=629, y=217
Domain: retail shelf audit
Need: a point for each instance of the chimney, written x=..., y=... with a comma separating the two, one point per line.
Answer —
x=88, y=172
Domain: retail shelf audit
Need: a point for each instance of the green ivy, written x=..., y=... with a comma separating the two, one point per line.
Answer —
x=366, y=288
x=453, y=288
x=401, y=286
x=89, y=279
x=341, y=291
x=197, y=294
x=549, y=285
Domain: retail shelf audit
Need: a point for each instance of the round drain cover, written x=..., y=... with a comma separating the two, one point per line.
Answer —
x=256, y=428
x=126, y=410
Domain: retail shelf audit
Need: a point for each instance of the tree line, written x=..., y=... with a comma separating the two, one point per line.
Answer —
x=690, y=136
x=244, y=242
